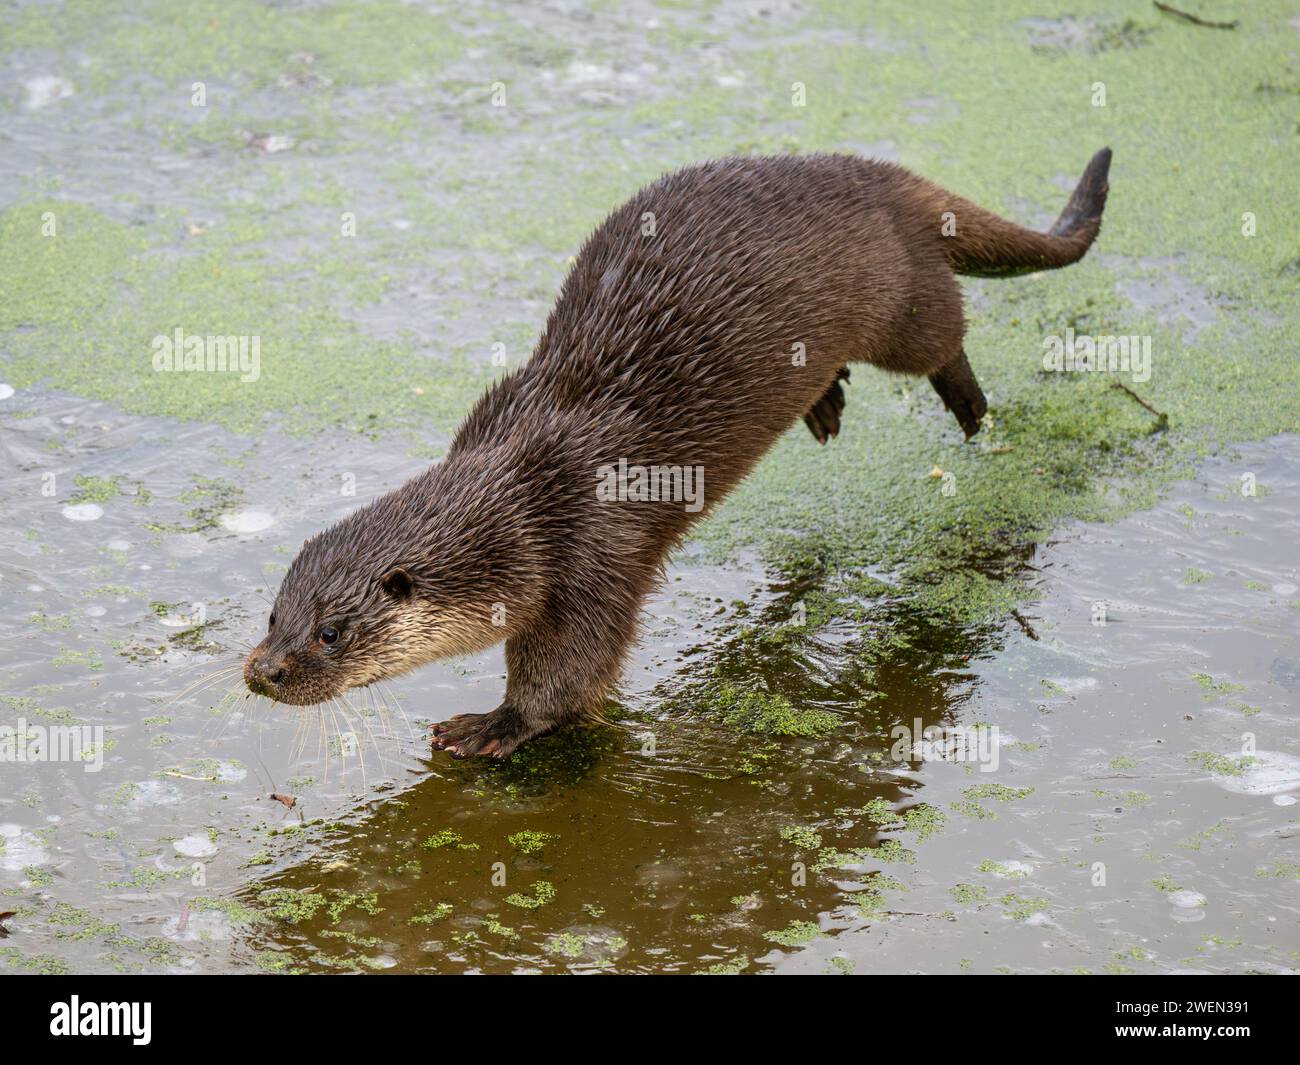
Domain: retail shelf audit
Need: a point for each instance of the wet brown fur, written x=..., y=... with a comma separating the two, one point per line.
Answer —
x=676, y=341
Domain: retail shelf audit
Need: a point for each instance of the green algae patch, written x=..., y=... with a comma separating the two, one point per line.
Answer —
x=77, y=925
x=1022, y=907
x=892, y=851
x=290, y=904
x=446, y=839
x=101, y=311
x=976, y=794
x=925, y=821
x=61, y=262
x=236, y=912
x=1221, y=764
x=96, y=489
x=530, y=841
x=37, y=964
x=801, y=837
x=440, y=912
x=541, y=893
x=300, y=906
x=1000, y=792
x=1280, y=871
x=871, y=902
x=766, y=714
x=345, y=42
x=796, y=934
x=566, y=945
x=970, y=894
x=733, y=967
x=1212, y=687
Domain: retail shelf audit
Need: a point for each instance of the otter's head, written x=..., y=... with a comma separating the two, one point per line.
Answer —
x=387, y=589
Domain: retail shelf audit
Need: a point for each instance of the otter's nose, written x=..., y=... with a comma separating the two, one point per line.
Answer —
x=265, y=671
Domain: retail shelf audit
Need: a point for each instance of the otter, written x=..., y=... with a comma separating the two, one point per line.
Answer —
x=704, y=317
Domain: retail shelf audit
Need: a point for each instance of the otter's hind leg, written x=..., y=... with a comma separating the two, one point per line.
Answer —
x=823, y=420
x=955, y=382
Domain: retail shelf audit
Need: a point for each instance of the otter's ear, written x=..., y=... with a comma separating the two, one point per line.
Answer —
x=397, y=583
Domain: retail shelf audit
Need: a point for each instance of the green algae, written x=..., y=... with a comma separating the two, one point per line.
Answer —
x=530, y=841
x=767, y=714
x=734, y=967
x=1212, y=687
x=1221, y=764
x=79, y=925
x=925, y=821
x=447, y=839
x=802, y=837
x=542, y=892
x=299, y=906
x=971, y=806
x=891, y=850
x=1280, y=871
x=38, y=964
x=566, y=945
x=292, y=905
x=440, y=912
x=1000, y=792
x=345, y=43
x=969, y=893
x=1022, y=907
x=235, y=911
x=77, y=332
x=871, y=902
x=96, y=489
x=795, y=934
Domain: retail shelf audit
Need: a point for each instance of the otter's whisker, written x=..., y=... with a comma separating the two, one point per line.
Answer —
x=220, y=712
x=221, y=673
x=391, y=697
x=300, y=732
x=352, y=732
x=380, y=711
x=328, y=709
x=370, y=736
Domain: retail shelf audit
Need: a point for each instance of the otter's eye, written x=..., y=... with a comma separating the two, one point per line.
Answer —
x=270, y=624
x=328, y=635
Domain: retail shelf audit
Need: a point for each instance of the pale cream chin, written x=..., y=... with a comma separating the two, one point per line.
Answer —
x=424, y=640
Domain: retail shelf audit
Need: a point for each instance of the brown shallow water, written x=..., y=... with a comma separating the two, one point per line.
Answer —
x=669, y=841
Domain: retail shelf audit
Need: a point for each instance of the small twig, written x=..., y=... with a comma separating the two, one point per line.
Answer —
x=1024, y=624
x=1161, y=415
x=1195, y=19
x=914, y=913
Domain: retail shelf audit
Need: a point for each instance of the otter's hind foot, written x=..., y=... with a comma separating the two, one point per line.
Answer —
x=823, y=420
x=961, y=393
x=494, y=735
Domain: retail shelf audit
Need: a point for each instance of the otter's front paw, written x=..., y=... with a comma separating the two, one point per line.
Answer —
x=495, y=735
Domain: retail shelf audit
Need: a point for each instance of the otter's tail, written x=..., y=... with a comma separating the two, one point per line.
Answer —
x=985, y=245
